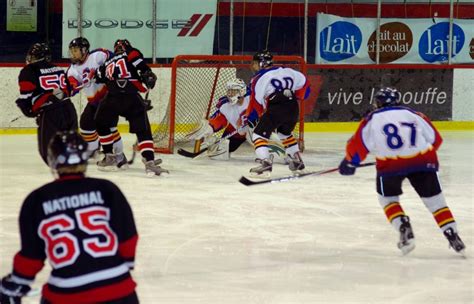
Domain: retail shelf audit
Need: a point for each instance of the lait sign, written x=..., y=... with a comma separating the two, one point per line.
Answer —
x=193, y=25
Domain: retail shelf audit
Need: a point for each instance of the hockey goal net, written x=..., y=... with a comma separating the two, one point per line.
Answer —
x=197, y=82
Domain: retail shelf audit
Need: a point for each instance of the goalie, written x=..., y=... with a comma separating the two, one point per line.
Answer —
x=230, y=109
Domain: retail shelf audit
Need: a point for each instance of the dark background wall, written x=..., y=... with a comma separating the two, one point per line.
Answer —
x=251, y=23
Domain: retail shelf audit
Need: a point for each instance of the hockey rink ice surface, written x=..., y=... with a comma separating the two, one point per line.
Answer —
x=205, y=238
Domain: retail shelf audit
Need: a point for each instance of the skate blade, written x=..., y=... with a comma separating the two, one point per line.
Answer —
x=298, y=172
x=123, y=167
x=264, y=175
x=153, y=173
x=462, y=253
x=407, y=248
x=108, y=169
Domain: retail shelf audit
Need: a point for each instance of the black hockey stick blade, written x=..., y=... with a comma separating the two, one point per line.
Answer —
x=252, y=182
x=185, y=153
x=132, y=159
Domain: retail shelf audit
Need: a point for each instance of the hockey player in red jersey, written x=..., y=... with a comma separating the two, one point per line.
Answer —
x=230, y=109
x=83, y=226
x=126, y=75
x=81, y=76
x=44, y=95
x=404, y=143
x=275, y=91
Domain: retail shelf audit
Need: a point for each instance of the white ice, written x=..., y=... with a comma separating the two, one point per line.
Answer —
x=205, y=238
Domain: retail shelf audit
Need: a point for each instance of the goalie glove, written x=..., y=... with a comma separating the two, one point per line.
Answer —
x=11, y=291
x=203, y=131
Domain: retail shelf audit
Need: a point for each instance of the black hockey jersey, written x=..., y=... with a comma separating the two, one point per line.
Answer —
x=121, y=72
x=37, y=82
x=85, y=227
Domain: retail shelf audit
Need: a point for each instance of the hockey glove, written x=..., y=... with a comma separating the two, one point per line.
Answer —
x=25, y=107
x=12, y=292
x=149, y=79
x=346, y=168
x=100, y=75
x=147, y=104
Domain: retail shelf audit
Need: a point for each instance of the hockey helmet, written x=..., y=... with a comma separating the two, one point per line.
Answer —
x=121, y=46
x=236, y=89
x=264, y=59
x=38, y=52
x=83, y=45
x=387, y=97
x=67, y=153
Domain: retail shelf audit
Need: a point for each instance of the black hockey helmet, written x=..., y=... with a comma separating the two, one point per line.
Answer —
x=37, y=52
x=83, y=45
x=264, y=58
x=122, y=46
x=67, y=153
x=387, y=97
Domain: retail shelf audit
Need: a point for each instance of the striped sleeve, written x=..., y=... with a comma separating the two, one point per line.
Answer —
x=30, y=259
x=356, y=150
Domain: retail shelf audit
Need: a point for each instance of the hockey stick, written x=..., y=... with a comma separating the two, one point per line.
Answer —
x=134, y=152
x=249, y=182
x=16, y=118
x=185, y=153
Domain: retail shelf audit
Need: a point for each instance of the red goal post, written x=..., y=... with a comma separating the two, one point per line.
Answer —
x=197, y=82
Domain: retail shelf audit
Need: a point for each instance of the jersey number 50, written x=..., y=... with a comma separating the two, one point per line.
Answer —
x=62, y=246
x=54, y=81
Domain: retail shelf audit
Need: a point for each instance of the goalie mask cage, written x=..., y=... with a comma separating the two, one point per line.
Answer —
x=197, y=82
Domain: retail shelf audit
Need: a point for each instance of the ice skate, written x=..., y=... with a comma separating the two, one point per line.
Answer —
x=407, y=238
x=295, y=163
x=455, y=241
x=265, y=168
x=113, y=162
x=152, y=167
x=96, y=154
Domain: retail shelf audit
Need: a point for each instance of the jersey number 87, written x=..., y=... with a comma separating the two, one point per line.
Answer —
x=394, y=140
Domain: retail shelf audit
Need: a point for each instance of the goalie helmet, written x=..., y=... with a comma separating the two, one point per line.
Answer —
x=387, y=97
x=83, y=45
x=38, y=52
x=67, y=153
x=264, y=59
x=121, y=46
x=236, y=89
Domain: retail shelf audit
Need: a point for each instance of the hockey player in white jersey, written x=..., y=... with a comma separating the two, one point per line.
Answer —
x=404, y=143
x=81, y=76
x=274, y=95
x=230, y=109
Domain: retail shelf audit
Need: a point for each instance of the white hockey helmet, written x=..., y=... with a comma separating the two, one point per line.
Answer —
x=236, y=89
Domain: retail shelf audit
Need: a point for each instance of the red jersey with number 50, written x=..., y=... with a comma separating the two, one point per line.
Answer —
x=37, y=82
x=85, y=228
